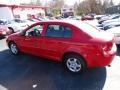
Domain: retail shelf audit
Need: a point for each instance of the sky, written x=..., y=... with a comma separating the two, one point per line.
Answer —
x=68, y=2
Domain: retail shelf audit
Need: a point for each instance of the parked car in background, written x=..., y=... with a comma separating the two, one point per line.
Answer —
x=40, y=19
x=116, y=32
x=108, y=17
x=87, y=17
x=16, y=24
x=111, y=20
x=35, y=20
x=76, y=44
x=59, y=17
x=110, y=25
x=2, y=22
x=98, y=17
x=103, y=18
x=4, y=31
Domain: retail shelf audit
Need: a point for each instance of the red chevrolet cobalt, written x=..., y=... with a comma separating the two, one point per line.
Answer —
x=76, y=44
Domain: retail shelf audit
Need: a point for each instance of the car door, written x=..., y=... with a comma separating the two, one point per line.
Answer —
x=55, y=41
x=31, y=41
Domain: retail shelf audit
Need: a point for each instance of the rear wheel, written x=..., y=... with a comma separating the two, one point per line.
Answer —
x=74, y=63
x=13, y=48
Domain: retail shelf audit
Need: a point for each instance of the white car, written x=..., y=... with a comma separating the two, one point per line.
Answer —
x=116, y=32
x=111, y=21
x=17, y=26
x=98, y=16
x=109, y=17
x=111, y=25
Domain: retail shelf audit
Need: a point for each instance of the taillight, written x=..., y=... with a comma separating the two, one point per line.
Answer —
x=104, y=47
x=107, y=47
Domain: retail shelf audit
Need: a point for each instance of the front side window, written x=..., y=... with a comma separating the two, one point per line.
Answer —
x=34, y=31
x=58, y=31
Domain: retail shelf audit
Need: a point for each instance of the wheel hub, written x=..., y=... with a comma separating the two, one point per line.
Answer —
x=14, y=48
x=73, y=64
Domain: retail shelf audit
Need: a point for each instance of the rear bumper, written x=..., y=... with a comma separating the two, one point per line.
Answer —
x=101, y=60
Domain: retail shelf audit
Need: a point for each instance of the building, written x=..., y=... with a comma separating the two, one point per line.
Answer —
x=21, y=11
x=67, y=11
x=113, y=10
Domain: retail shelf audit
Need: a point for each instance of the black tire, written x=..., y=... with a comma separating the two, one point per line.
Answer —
x=79, y=60
x=13, y=48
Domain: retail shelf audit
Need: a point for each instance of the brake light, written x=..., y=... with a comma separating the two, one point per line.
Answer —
x=107, y=47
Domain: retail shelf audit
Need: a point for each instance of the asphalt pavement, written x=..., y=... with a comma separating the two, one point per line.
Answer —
x=27, y=72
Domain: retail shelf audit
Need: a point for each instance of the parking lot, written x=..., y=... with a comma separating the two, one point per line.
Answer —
x=27, y=72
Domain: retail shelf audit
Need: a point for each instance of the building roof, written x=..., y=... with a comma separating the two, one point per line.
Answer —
x=23, y=6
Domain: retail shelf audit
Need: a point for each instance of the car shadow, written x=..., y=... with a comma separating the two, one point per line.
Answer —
x=27, y=72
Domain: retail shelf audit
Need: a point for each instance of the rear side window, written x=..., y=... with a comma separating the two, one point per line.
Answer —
x=67, y=32
x=59, y=31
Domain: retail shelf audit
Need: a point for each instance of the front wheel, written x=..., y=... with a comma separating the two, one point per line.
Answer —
x=13, y=48
x=74, y=63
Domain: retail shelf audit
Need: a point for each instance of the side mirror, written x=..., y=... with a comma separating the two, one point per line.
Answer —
x=22, y=33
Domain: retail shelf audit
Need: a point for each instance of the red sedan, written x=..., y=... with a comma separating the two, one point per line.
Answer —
x=76, y=44
x=4, y=30
x=87, y=18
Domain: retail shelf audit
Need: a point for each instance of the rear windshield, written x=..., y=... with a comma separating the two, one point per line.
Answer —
x=87, y=28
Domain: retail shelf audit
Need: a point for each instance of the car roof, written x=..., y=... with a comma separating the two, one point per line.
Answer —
x=73, y=22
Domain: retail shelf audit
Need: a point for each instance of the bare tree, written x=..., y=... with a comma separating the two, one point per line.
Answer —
x=93, y=6
x=38, y=2
x=33, y=2
x=55, y=6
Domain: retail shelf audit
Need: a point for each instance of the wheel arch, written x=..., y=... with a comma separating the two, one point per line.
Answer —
x=11, y=41
x=73, y=53
x=9, y=45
